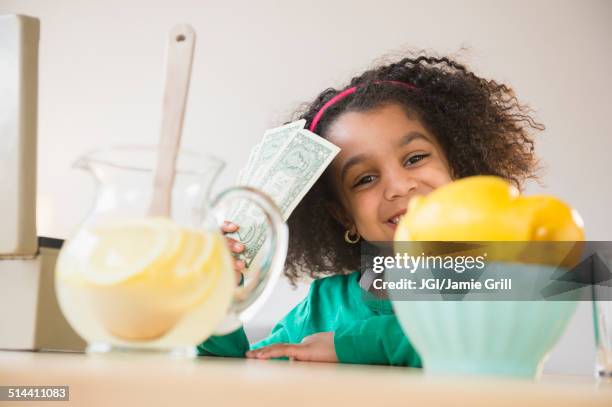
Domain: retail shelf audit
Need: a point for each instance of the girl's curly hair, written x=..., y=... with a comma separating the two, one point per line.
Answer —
x=479, y=124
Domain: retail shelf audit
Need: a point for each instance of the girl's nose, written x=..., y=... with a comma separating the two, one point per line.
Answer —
x=399, y=185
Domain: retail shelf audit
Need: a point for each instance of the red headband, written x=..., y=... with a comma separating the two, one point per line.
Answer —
x=345, y=93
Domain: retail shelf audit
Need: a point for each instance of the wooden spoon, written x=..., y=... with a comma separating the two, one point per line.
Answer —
x=179, y=57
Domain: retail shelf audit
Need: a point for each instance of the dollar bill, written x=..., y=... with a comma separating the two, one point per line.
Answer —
x=262, y=155
x=244, y=176
x=286, y=179
x=299, y=165
x=274, y=140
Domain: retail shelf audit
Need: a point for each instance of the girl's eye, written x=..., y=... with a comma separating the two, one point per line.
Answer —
x=364, y=180
x=415, y=158
x=412, y=160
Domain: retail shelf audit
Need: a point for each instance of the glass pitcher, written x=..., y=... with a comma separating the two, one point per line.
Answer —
x=129, y=281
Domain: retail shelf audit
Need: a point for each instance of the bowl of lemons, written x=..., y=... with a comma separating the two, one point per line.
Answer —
x=469, y=334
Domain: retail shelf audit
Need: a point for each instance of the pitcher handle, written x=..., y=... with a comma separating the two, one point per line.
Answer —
x=250, y=297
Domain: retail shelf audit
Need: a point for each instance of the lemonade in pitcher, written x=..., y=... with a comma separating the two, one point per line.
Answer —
x=128, y=280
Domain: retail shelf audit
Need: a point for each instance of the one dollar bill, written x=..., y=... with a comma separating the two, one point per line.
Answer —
x=295, y=167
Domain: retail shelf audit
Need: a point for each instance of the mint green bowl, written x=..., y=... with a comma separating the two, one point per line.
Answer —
x=501, y=338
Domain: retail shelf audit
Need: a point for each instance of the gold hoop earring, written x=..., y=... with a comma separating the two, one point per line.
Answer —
x=347, y=237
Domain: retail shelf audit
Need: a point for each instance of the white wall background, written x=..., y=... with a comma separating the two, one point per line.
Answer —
x=101, y=71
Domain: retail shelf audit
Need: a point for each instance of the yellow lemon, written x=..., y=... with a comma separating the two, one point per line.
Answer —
x=474, y=208
x=487, y=208
x=552, y=220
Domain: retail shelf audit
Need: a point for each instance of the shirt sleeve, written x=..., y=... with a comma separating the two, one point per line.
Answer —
x=376, y=340
x=234, y=345
x=290, y=328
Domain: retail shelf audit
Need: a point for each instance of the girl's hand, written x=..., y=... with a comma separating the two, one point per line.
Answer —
x=235, y=247
x=314, y=348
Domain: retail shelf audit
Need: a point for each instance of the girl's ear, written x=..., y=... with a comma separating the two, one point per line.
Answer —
x=339, y=213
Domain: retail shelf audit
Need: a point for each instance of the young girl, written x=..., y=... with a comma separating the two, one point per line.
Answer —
x=405, y=129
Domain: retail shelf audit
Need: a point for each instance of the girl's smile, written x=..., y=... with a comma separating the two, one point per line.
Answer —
x=387, y=158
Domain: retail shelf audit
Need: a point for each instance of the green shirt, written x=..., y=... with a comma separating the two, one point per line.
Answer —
x=365, y=329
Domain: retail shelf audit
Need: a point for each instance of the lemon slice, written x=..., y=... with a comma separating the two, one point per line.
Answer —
x=122, y=250
x=196, y=251
x=196, y=272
